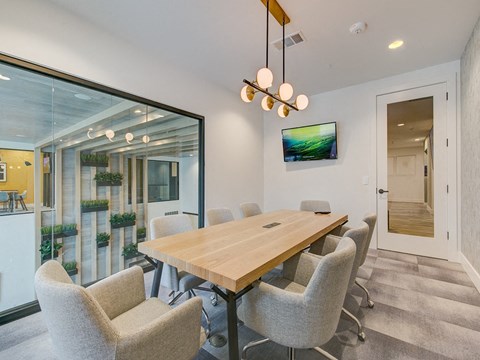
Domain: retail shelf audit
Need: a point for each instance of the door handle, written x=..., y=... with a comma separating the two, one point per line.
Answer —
x=381, y=191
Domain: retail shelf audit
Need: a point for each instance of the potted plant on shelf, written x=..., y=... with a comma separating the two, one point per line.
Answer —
x=96, y=160
x=94, y=205
x=108, y=179
x=49, y=232
x=71, y=267
x=130, y=251
x=141, y=233
x=46, y=249
x=69, y=230
x=122, y=220
x=102, y=239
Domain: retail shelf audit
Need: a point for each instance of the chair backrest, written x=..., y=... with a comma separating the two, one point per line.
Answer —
x=359, y=236
x=4, y=196
x=219, y=216
x=169, y=225
x=250, y=209
x=165, y=226
x=315, y=205
x=325, y=293
x=371, y=220
x=76, y=322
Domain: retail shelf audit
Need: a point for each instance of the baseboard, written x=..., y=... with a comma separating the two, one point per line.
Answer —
x=19, y=312
x=469, y=269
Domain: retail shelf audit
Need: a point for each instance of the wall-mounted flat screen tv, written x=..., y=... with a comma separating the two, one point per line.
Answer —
x=312, y=142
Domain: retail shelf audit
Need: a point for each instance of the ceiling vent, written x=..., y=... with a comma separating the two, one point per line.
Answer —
x=290, y=40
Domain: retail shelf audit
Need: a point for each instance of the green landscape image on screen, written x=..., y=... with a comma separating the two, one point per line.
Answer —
x=310, y=142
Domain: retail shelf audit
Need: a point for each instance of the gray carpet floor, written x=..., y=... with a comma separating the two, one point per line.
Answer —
x=424, y=309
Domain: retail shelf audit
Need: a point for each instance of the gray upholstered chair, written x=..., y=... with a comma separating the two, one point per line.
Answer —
x=371, y=220
x=315, y=205
x=20, y=198
x=179, y=282
x=219, y=216
x=328, y=245
x=301, y=309
x=250, y=209
x=112, y=319
x=5, y=200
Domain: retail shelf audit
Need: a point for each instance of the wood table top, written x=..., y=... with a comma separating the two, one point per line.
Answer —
x=235, y=254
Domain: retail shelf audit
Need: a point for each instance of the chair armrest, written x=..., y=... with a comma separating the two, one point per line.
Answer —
x=331, y=243
x=340, y=230
x=172, y=336
x=120, y=292
x=300, y=268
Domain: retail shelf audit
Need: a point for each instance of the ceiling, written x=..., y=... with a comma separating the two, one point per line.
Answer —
x=48, y=111
x=227, y=38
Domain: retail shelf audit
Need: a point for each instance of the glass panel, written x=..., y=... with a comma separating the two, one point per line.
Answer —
x=410, y=167
x=83, y=157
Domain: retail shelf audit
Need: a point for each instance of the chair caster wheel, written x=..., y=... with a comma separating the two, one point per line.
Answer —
x=361, y=336
x=370, y=304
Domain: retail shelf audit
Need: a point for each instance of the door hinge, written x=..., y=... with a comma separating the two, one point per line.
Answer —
x=446, y=95
x=447, y=142
x=447, y=189
x=448, y=235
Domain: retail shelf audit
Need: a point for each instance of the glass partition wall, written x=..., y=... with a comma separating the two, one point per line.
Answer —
x=97, y=165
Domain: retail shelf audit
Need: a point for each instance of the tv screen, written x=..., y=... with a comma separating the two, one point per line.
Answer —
x=313, y=142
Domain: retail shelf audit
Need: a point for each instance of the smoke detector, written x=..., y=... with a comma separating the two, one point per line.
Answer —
x=358, y=28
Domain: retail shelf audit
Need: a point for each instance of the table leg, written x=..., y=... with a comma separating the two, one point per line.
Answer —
x=232, y=326
x=156, y=279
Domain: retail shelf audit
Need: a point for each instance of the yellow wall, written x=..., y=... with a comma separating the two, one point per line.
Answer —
x=19, y=176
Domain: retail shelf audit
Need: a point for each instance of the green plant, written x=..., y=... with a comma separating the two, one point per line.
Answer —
x=108, y=177
x=122, y=218
x=69, y=227
x=94, y=158
x=102, y=237
x=141, y=232
x=130, y=249
x=93, y=203
x=47, y=230
x=46, y=247
x=71, y=265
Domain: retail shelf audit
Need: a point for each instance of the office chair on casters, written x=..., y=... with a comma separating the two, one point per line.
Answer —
x=219, y=216
x=112, y=319
x=179, y=282
x=359, y=236
x=371, y=220
x=250, y=209
x=301, y=309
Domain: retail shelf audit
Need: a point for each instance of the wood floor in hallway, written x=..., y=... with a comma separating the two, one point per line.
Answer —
x=410, y=218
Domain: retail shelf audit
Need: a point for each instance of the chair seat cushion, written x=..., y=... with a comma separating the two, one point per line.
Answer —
x=287, y=285
x=149, y=310
x=188, y=281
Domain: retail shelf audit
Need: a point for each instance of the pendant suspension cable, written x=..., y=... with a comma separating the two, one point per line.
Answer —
x=266, y=41
x=283, y=29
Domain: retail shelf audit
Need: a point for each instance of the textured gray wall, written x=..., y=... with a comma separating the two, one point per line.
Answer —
x=470, y=149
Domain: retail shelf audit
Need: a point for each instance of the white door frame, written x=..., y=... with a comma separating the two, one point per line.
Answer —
x=453, y=154
x=436, y=246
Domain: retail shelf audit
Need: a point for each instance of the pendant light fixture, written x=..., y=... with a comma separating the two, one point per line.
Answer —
x=264, y=78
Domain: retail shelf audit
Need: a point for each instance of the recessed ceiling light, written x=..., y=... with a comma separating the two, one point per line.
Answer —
x=19, y=135
x=401, y=124
x=82, y=97
x=3, y=77
x=418, y=139
x=138, y=111
x=395, y=45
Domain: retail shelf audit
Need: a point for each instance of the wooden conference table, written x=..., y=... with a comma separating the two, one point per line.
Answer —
x=235, y=254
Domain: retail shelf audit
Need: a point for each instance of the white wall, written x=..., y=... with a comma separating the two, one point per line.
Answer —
x=341, y=181
x=234, y=130
x=409, y=187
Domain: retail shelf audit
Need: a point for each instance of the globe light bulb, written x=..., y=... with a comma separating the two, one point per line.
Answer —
x=110, y=134
x=264, y=78
x=285, y=91
x=283, y=111
x=267, y=103
x=247, y=93
x=146, y=139
x=129, y=137
x=301, y=102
